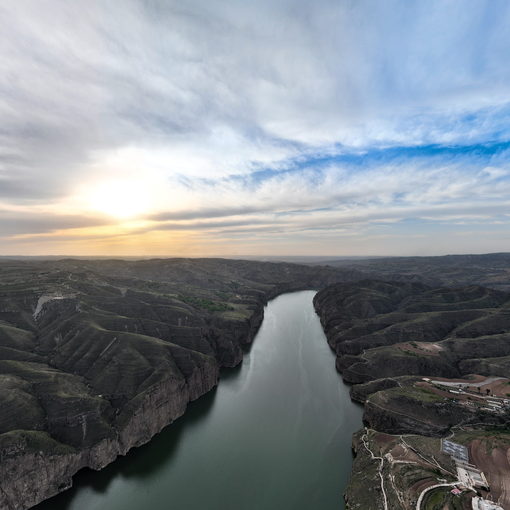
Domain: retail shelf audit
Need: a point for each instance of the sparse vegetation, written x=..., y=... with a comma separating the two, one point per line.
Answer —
x=206, y=304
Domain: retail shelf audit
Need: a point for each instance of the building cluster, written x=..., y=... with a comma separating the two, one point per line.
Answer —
x=469, y=476
x=471, y=395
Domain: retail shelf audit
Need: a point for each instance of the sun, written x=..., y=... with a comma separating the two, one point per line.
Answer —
x=121, y=199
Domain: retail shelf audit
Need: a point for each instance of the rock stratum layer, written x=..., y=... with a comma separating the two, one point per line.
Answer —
x=98, y=356
x=427, y=362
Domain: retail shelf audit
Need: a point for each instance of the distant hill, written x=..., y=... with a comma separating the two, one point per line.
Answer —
x=490, y=270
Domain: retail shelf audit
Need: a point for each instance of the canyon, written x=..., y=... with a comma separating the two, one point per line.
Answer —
x=98, y=356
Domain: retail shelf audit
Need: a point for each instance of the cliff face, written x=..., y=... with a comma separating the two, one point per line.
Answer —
x=98, y=356
x=28, y=476
x=364, y=490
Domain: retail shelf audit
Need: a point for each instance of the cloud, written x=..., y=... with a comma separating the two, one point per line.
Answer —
x=14, y=223
x=272, y=114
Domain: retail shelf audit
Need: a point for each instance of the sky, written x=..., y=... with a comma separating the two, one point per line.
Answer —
x=268, y=127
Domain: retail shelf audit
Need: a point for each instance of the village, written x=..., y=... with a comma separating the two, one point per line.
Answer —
x=490, y=395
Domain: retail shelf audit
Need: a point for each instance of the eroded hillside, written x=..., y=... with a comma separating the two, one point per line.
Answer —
x=428, y=363
x=98, y=356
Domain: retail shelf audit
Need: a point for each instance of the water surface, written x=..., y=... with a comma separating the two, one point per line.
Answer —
x=275, y=434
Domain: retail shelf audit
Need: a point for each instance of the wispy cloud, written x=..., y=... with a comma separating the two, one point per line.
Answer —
x=287, y=118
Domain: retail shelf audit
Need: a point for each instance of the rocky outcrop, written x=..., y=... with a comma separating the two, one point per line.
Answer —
x=406, y=417
x=34, y=467
x=360, y=392
x=364, y=490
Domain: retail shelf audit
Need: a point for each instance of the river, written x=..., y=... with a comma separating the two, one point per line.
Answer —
x=275, y=434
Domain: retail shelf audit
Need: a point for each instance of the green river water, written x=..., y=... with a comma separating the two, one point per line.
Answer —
x=275, y=434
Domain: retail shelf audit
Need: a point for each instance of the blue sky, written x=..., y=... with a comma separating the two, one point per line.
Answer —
x=281, y=127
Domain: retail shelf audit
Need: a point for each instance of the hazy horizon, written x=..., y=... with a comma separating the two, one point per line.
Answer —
x=199, y=129
x=268, y=258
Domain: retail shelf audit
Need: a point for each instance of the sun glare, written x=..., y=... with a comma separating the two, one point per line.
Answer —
x=120, y=199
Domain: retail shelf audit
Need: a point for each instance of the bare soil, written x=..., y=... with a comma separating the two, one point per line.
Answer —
x=492, y=456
